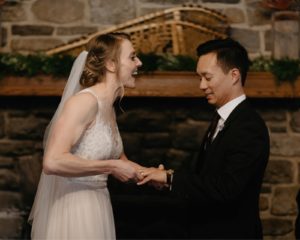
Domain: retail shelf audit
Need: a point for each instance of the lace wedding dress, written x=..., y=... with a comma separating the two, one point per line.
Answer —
x=79, y=207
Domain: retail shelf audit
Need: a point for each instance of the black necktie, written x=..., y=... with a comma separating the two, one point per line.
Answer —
x=212, y=128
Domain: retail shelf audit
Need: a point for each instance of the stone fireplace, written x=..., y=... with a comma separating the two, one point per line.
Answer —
x=155, y=130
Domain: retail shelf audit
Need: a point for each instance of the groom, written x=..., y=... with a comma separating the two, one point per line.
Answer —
x=221, y=192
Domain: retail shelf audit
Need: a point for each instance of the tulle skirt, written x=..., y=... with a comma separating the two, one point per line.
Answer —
x=68, y=208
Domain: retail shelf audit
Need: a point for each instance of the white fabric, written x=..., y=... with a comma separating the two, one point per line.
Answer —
x=79, y=207
x=225, y=111
x=71, y=88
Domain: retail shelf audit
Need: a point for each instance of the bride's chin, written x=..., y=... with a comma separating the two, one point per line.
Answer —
x=130, y=84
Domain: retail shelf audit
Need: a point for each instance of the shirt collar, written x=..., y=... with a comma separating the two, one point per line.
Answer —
x=226, y=109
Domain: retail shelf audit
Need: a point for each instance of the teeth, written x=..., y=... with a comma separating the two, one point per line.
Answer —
x=135, y=73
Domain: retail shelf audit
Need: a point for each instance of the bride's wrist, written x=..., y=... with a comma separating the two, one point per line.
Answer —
x=112, y=165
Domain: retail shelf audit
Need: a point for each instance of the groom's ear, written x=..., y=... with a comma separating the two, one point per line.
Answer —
x=110, y=65
x=235, y=75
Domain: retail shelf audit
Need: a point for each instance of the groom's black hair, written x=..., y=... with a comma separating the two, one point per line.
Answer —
x=230, y=54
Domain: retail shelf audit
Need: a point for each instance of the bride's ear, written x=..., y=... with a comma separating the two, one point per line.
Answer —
x=110, y=66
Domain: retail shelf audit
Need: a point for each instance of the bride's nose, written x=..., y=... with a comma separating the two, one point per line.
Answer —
x=139, y=62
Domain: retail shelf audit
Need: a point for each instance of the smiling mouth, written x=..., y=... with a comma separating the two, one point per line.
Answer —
x=135, y=72
x=208, y=95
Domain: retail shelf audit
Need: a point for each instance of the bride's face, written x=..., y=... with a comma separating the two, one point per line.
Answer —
x=128, y=65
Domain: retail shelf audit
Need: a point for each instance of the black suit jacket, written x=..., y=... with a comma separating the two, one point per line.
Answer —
x=221, y=191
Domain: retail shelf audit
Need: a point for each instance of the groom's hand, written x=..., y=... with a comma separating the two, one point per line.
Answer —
x=156, y=177
x=158, y=185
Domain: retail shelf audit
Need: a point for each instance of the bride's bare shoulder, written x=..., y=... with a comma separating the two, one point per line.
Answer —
x=82, y=105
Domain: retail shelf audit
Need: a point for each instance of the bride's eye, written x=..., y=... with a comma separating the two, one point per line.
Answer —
x=133, y=57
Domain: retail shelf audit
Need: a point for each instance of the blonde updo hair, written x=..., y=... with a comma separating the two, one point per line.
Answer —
x=100, y=49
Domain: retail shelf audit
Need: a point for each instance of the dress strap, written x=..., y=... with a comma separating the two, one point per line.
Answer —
x=91, y=92
x=88, y=90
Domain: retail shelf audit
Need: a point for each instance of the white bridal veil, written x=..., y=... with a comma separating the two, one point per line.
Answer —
x=71, y=88
x=48, y=182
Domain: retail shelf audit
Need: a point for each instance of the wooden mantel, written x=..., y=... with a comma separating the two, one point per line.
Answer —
x=158, y=84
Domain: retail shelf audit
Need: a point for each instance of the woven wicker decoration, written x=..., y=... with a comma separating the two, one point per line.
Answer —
x=177, y=30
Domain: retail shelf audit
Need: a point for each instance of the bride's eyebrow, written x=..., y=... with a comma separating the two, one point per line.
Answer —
x=132, y=54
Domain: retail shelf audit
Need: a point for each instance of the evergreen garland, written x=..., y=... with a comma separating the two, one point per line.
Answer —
x=284, y=70
x=59, y=65
x=31, y=65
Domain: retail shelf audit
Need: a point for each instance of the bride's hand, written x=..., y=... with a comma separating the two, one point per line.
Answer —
x=137, y=167
x=125, y=170
x=134, y=164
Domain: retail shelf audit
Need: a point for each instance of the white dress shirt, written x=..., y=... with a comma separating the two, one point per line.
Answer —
x=225, y=111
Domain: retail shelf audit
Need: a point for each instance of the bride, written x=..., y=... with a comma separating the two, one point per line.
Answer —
x=82, y=145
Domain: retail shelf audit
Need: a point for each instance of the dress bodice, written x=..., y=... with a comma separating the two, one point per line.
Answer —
x=100, y=141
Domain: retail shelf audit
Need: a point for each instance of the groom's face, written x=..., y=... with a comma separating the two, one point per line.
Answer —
x=214, y=82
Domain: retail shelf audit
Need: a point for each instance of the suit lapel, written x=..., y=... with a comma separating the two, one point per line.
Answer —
x=239, y=108
x=201, y=158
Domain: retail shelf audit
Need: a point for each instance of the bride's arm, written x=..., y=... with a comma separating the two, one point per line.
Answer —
x=78, y=113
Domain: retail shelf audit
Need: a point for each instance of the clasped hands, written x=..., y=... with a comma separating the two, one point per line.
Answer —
x=156, y=177
x=132, y=172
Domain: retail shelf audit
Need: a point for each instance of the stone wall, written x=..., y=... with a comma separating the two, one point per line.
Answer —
x=154, y=130
x=22, y=124
x=35, y=25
